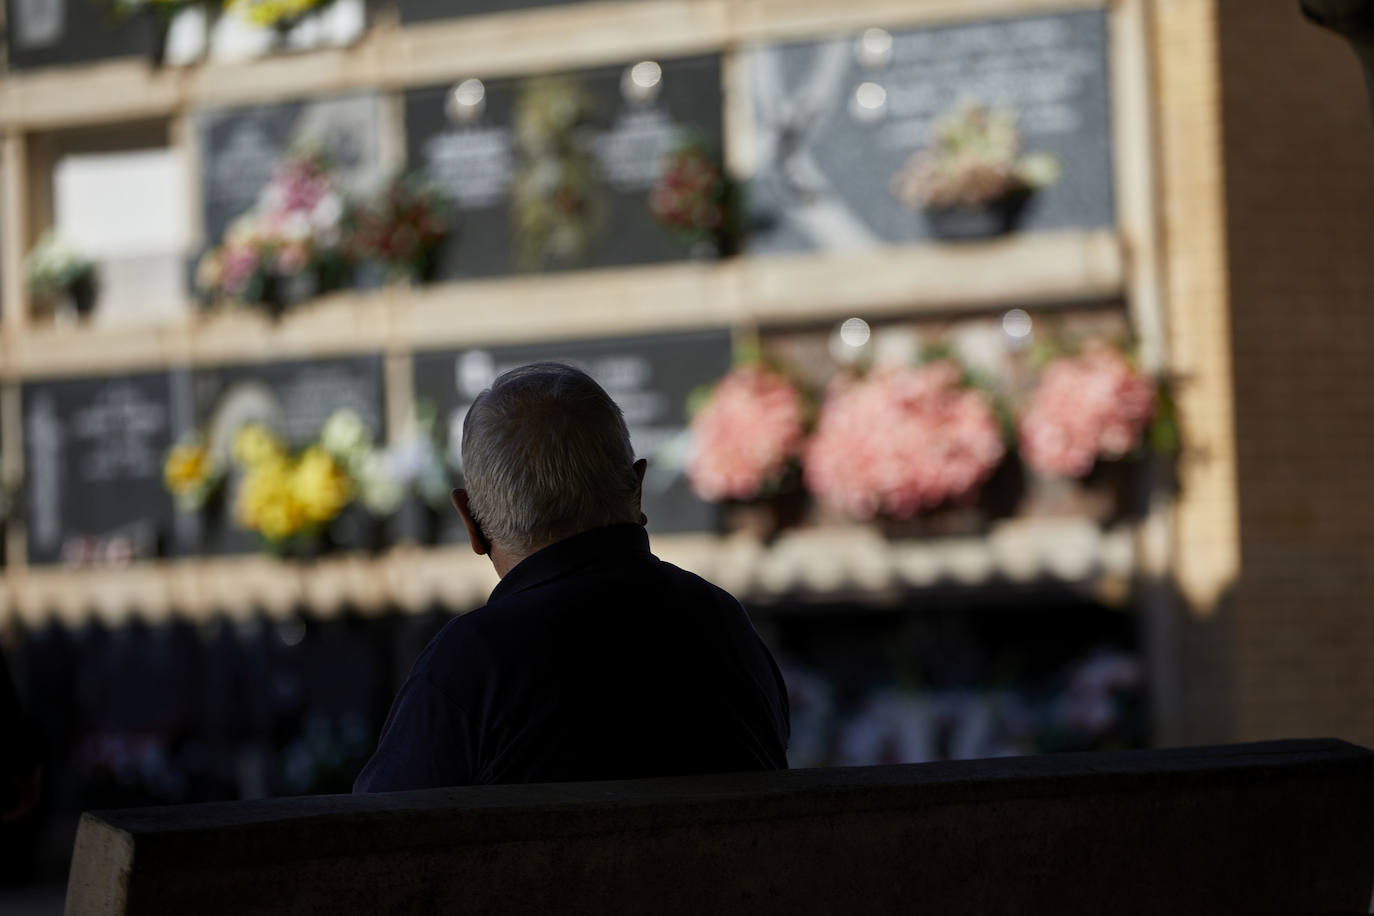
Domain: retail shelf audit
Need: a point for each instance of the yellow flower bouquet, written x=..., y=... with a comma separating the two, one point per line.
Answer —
x=192, y=474
x=283, y=497
x=275, y=14
x=299, y=501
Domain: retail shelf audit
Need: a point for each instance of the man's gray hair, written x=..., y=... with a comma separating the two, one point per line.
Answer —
x=546, y=454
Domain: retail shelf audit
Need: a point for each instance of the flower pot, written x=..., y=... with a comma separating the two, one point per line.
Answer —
x=78, y=300
x=994, y=218
x=425, y=268
x=767, y=517
x=185, y=38
x=950, y=520
x=1113, y=491
x=300, y=547
x=280, y=292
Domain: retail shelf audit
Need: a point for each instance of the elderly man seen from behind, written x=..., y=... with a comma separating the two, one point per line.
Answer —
x=593, y=659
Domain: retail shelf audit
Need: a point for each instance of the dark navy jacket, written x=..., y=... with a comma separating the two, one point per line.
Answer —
x=592, y=660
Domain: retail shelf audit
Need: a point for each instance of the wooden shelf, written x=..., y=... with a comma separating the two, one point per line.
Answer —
x=1019, y=270
x=802, y=565
x=388, y=57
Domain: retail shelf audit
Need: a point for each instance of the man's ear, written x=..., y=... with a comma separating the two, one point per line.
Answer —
x=640, y=467
x=480, y=545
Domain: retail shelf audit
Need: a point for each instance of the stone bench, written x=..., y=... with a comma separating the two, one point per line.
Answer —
x=1280, y=827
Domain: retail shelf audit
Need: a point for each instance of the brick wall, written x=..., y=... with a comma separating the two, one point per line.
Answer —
x=1267, y=175
x=1299, y=166
x=1193, y=641
x=1287, y=646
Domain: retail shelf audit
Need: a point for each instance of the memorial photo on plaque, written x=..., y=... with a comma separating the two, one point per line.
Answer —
x=956, y=132
x=43, y=33
x=279, y=456
x=93, y=458
x=651, y=377
x=606, y=167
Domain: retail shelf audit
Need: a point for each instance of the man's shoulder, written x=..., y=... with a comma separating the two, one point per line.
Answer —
x=457, y=646
x=693, y=580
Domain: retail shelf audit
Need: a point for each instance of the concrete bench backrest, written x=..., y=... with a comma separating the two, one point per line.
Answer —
x=1281, y=827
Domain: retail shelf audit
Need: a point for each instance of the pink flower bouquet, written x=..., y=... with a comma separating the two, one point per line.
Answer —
x=745, y=435
x=1094, y=405
x=293, y=236
x=901, y=441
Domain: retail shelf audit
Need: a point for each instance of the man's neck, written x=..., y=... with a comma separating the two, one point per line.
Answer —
x=504, y=559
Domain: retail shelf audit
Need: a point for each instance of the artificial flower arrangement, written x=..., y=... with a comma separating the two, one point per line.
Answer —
x=289, y=246
x=694, y=199
x=383, y=477
x=287, y=498
x=59, y=276
x=1091, y=405
x=306, y=236
x=899, y=441
x=184, y=31
x=402, y=227
x=974, y=167
x=164, y=10
x=290, y=499
x=275, y=14
x=193, y=473
x=747, y=435
x=553, y=193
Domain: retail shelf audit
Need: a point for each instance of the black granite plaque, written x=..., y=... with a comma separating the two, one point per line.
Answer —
x=477, y=154
x=240, y=147
x=94, y=450
x=426, y=10
x=294, y=399
x=834, y=120
x=43, y=33
x=650, y=378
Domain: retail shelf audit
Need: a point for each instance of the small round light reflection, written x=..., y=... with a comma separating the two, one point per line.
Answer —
x=1016, y=324
x=646, y=74
x=855, y=332
x=642, y=82
x=869, y=103
x=875, y=48
x=467, y=101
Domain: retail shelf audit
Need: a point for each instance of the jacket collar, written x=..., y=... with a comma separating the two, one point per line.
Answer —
x=569, y=554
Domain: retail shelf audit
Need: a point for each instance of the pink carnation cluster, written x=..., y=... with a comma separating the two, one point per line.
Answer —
x=1093, y=405
x=745, y=434
x=899, y=441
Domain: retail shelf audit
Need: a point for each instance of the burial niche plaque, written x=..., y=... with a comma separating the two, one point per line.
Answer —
x=834, y=121
x=93, y=455
x=429, y=10
x=554, y=172
x=46, y=33
x=240, y=148
x=293, y=399
x=650, y=377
